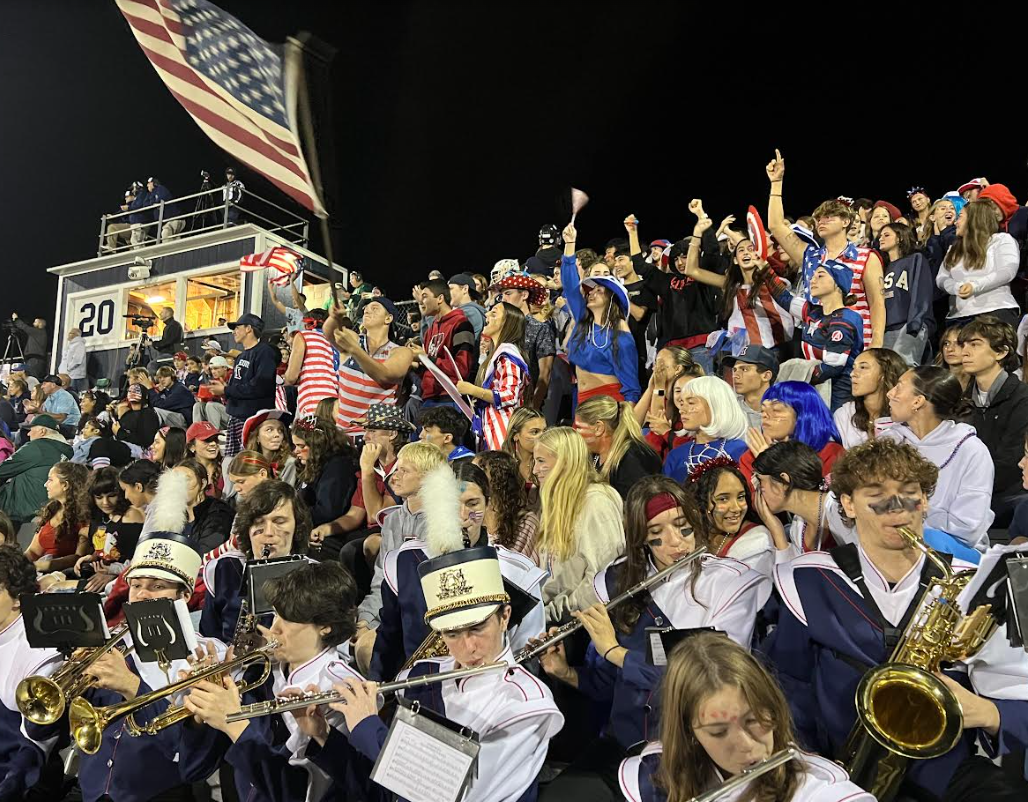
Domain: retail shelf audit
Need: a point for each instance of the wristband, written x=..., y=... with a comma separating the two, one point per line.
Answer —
x=612, y=648
x=776, y=194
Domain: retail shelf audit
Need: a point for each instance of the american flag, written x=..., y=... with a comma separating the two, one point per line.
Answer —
x=281, y=263
x=237, y=88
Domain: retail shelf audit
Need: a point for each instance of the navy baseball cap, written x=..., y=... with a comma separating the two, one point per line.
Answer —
x=248, y=319
x=756, y=355
x=388, y=305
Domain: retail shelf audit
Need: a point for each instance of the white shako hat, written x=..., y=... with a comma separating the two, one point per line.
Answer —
x=462, y=588
x=164, y=552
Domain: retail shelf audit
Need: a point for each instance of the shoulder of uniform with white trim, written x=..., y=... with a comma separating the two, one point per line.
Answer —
x=600, y=581
x=392, y=561
x=785, y=578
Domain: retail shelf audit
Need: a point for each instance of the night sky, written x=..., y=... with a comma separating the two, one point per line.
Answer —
x=459, y=127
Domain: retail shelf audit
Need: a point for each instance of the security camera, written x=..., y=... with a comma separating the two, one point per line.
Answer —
x=139, y=269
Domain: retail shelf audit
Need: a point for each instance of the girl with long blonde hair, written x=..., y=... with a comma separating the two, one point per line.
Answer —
x=581, y=528
x=721, y=713
x=613, y=435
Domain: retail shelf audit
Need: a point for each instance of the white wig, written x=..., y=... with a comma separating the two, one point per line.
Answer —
x=727, y=419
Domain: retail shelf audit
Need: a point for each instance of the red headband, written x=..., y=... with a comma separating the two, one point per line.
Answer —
x=708, y=465
x=662, y=502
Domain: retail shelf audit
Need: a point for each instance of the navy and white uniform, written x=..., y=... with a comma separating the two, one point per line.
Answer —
x=726, y=595
x=513, y=713
x=223, y=580
x=137, y=769
x=827, y=636
x=21, y=756
x=821, y=781
x=270, y=760
x=403, y=629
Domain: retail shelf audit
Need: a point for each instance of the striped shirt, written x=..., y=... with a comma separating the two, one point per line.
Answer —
x=358, y=391
x=508, y=383
x=766, y=323
x=319, y=376
x=855, y=258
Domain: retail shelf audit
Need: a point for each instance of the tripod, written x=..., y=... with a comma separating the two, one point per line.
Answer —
x=204, y=216
x=13, y=352
x=137, y=349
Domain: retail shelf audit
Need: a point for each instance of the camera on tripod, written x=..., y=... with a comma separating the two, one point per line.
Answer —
x=144, y=322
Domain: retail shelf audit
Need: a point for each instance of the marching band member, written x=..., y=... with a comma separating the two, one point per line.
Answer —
x=21, y=756
x=164, y=566
x=845, y=611
x=512, y=711
x=271, y=521
x=663, y=525
x=315, y=611
x=454, y=510
x=723, y=495
x=722, y=713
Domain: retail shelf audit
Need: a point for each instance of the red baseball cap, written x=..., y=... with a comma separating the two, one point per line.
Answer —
x=201, y=430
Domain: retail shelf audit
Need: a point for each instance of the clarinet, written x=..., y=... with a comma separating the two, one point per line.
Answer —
x=283, y=703
x=562, y=632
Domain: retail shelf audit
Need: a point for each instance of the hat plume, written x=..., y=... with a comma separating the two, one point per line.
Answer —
x=440, y=500
x=169, y=503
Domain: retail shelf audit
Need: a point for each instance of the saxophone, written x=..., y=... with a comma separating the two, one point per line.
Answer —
x=902, y=707
x=246, y=637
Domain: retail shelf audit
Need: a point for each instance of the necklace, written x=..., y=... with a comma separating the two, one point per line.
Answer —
x=817, y=534
x=592, y=336
x=963, y=440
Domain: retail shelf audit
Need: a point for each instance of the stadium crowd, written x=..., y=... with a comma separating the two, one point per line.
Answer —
x=815, y=406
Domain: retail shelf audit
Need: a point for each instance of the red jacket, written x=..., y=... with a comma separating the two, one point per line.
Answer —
x=454, y=333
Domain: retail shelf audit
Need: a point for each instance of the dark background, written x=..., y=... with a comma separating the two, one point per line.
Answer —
x=459, y=127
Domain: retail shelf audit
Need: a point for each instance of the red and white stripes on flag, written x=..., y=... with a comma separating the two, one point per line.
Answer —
x=239, y=91
x=281, y=264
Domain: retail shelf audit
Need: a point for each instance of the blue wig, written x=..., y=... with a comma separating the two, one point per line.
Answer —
x=814, y=423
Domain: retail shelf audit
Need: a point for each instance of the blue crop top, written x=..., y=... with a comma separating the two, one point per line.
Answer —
x=599, y=358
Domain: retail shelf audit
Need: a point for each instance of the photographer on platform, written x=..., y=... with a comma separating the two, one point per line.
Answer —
x=232, y=194
x=170, y=341
x=135, y=202
x=172, y=225
x=35, y=344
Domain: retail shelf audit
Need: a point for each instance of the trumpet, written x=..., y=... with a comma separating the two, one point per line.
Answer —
x=284, y=703
x=89, y=722
x=564, y=631
x=780, y=758
x=43, y=700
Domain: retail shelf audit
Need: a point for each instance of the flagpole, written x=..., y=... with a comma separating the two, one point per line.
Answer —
x=306, y=126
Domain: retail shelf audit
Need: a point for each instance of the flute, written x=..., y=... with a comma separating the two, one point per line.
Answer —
x=283, y=703
x=528, y=652
x=791, y=752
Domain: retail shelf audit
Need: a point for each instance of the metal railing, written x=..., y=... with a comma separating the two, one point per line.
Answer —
x=210, y=213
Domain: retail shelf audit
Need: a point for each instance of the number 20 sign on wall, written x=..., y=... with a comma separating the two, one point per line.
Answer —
x=95, y=317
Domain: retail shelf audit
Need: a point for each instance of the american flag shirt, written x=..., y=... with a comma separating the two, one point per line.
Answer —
x=766, y=322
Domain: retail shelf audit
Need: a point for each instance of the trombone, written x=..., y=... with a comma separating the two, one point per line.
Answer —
x=283, y=703
x=43, y=700
x=89, y=722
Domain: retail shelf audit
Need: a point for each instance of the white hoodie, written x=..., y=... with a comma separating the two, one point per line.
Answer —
x=960, y=505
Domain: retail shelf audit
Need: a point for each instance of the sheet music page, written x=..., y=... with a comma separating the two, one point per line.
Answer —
x=420, y=767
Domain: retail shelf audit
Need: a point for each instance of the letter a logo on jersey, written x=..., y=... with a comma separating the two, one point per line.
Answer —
x=836, y=336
